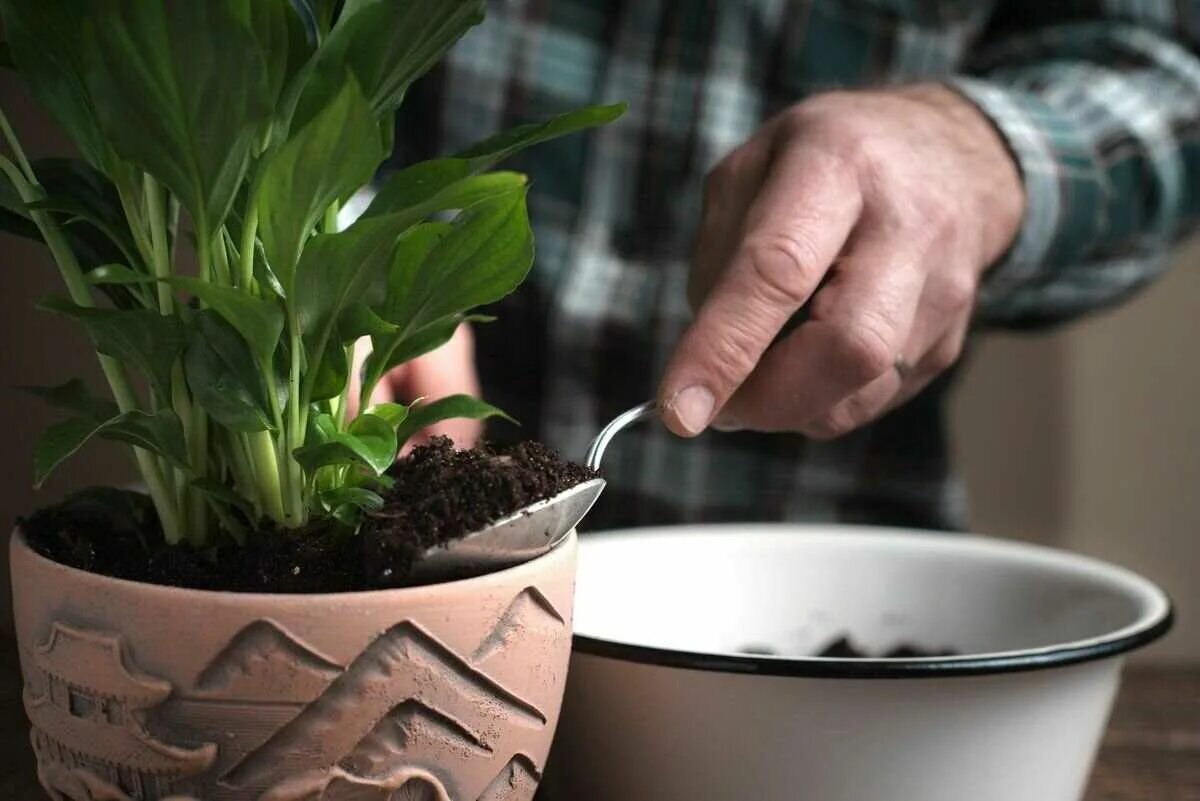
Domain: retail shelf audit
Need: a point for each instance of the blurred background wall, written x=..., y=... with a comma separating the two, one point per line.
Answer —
x=1087, y=438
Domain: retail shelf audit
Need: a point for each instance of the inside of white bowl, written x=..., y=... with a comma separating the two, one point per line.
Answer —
x=787, y=591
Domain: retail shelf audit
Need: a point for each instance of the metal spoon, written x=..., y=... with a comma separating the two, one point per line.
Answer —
x=531, y=530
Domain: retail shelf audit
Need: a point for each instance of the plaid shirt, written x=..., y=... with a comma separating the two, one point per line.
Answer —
x=1099, y=102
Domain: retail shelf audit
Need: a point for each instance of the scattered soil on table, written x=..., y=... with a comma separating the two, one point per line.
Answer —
x=439, y=495
x=845, y=648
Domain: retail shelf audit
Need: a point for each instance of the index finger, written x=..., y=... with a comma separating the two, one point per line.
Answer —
x=797, y=225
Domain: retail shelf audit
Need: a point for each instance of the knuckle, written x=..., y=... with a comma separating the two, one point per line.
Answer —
x=945, y=356
x=732, y=353
x=960, y=291
x=866, y=350
x=781, y=265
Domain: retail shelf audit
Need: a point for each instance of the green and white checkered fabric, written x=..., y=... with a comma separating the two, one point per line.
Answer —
x=1099, y=102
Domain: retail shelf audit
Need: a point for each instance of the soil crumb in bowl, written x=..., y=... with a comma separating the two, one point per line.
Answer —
x=438, y=495
x=845, y=648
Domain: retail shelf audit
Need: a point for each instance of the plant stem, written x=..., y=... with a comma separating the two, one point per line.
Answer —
x=18, y=152
x=344, y=399
x=160, y=261
x=296, y=424
x=220, y=260
x=198, y=441
x=246, y=251
x=261, y=448
x=137, y=225
x=241, y=464
x=122, y=391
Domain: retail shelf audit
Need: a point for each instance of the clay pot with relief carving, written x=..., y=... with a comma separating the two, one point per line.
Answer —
x=140, y=692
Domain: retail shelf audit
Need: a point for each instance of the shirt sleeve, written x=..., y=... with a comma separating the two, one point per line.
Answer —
x=1103, y=117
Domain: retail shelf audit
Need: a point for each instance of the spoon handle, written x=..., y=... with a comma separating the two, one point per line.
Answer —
x=638, y=413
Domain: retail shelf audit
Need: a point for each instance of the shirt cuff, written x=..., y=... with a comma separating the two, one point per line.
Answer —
x=1063, y=190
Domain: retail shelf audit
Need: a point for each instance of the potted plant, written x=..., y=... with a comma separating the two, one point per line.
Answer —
x=187, y=643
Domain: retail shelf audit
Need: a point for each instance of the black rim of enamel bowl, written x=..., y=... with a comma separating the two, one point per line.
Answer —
x=925, y=668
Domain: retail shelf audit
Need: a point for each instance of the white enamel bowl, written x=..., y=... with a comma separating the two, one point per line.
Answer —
x=663, y=703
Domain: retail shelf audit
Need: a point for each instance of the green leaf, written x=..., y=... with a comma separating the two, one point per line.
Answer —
x=387, y=45
x=489, y=152
x=330, y=374
x=424, y=180
x=360, y=320
x=326, y=160
x=77, y=192
x=74, y=396
x=270, y=22
x=14, y=216
x=396, y=349
x=117, y=275
x=319, y=14
x=370, y=441
x=337, y=270
x=486, y=255
x=90, y=246
x=393, y=413
x=224, y=501
x=45, y=39
x=223, y=375
x=159, y=433
x=258, y=320
x=221, y=494
x=142, y=338
x=423, y=415
x=360, y=498
x=439, y=185
x=180, y=89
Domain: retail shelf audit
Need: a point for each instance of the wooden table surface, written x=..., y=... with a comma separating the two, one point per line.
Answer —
x=1151, y=751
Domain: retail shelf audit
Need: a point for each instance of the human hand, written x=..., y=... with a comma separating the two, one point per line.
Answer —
x=449, y=370
x=895, y=202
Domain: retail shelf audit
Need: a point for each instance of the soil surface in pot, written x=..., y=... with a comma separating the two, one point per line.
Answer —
x=439, y=495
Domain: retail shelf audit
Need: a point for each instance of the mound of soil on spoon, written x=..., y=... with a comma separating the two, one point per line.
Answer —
x=439, y=495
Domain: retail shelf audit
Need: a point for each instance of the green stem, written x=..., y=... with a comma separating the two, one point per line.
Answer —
x=137, y=225
x=329, y=223
x=221, y=260
x=344, y=399
x=198, y=441
x=160, y=261
x=241, y=464
x=118, y=382
x=18, y=152
x=296, y=425
x=261, y=448
x=246, y=250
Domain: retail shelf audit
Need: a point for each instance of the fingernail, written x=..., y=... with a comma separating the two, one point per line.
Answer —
x=693, y=408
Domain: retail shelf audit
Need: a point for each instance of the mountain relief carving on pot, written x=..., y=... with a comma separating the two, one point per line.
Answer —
x=405, y=720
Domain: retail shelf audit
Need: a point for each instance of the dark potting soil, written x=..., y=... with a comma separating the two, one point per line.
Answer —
x=439, y=495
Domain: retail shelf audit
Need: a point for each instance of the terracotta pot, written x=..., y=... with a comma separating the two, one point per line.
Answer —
x=137, y=692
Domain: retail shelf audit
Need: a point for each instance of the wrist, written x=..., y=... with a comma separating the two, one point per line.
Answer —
x=998, y=188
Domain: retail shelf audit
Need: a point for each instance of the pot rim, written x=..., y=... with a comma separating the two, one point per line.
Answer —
x=18, y=543
x=1156, y=619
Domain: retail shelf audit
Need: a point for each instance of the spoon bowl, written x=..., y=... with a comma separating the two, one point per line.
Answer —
x=531, y=530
